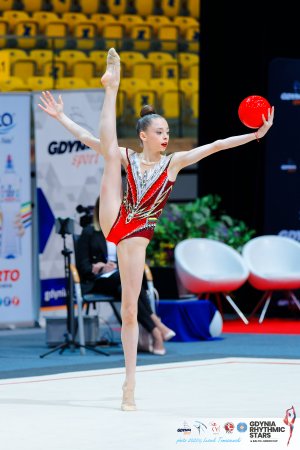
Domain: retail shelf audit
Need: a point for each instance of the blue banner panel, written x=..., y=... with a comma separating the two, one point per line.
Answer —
x=53, y=292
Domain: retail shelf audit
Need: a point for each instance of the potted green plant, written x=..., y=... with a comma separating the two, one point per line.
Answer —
x=200, y=218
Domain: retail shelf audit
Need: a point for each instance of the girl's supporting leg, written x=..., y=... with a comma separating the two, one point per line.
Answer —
x=131, y=258
x=111, y=183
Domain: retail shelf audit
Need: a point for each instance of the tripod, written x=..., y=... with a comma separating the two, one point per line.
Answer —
x=70, y=341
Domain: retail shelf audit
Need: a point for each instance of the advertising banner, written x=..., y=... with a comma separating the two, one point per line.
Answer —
x=68, y=177
x=282, y=173
x=16, y=303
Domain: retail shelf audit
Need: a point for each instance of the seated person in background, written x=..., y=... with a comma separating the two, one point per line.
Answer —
x=98, y=269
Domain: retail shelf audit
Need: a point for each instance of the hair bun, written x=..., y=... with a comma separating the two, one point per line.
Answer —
x=147, y=109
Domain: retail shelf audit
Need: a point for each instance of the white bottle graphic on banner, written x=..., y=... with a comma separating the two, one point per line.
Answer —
x=10, y=205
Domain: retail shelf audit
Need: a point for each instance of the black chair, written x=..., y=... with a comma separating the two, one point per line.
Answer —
x=92, y=298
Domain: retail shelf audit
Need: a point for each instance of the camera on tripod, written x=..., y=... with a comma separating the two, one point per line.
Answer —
x=87, y=217
x=64, y=226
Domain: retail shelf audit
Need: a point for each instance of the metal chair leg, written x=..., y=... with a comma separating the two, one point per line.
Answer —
x=261, y=301
x=239, y=312
x=266, y=306
x=294, y=298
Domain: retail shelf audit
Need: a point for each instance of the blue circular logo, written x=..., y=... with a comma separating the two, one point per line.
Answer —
x=242, y=427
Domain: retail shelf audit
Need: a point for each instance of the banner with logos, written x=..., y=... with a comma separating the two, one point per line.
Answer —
x=244, y=433
x=282, y=163
x=16, y=302
x=68, y=176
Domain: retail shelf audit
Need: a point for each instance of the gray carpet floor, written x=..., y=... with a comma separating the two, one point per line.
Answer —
x=21, y=350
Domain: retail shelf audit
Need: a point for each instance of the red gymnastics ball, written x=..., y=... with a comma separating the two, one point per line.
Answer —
x=251, y=110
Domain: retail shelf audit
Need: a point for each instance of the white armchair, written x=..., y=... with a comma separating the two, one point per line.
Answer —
x=206, y=266
x=274, y=265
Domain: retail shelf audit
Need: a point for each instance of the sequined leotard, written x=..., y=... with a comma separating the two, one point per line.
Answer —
x=143, y=201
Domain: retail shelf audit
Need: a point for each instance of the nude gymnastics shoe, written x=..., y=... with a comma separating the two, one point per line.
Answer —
x=111, y=78
x=169, y=335
x=113, y=57
x=128, y=403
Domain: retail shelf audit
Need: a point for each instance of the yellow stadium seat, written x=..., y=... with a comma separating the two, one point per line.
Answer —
x=131, y=85
x=15, y=54
x=113, y=34
x=13, y=84
x=69, y=57
x=95, y=83
x=73, y=18
x=192, y=38
x=143, y=69
x=194, y=8
x=117, y=7
x=26, y=30
x=170, y=70
x=168, y=36
x=162, y=86
x=85, y=34
x=85, y=69
x=41, y=57
x=141, y=98
x=103, y=19
x=160, y=58
x=6, y=5
x=185, y=22
x=156, y=21
x=71, y=83
x=13, y=16
x=56, y=32
x=54, y=69
x=194, y=71
x=186, y=60
x=99, y=58
x=195, y=105
x=33, y=5
x=24, y=68
x=90, y=6
x=61, y=6
x=4, y=65
x=40, y=83
x=128, y=20
x=188, y=87
x=141, y=34
x=170, y=104
x=128, y=59
x=120, y=109
x=144, y=8
x=43, y=17
x=171, y=8
x=4, y=29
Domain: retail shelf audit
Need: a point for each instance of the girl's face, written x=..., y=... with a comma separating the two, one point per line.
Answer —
x=156, y=136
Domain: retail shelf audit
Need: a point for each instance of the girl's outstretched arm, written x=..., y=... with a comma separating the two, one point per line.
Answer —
x=183, y=159
x=55, y=109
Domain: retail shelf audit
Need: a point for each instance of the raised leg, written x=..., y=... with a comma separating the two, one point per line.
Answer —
x=131, y=258
x=111, y=182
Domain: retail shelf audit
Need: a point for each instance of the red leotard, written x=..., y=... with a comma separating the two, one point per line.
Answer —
x=144, y=200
